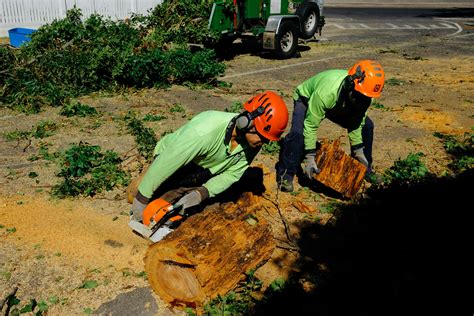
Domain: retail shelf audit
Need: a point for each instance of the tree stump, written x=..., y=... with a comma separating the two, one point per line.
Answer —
x=209, y=253
x=339, y=171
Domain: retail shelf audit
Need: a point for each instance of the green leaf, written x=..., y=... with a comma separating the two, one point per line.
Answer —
x=89, y=284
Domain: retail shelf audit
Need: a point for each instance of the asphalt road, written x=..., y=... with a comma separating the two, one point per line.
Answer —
x=395, y=24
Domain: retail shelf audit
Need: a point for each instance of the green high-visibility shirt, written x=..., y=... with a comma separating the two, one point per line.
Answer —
x=322, y=92
x=200, y=141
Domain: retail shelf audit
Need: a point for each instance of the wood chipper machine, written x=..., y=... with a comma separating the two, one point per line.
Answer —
x=278, y=23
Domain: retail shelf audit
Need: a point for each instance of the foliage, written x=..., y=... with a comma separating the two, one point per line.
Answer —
x=237, y=302
x=272, y=148
x=75, y=56
x=395, y=82
x=89, y=284
x=33, y=306
x=177, y=108
x=17, y=135
x=408, y=170
x=153, y=118
x=87, y=171
x=461, y=149
x=77, y=109
x=236, y=107
x=42, y=130
x=144, y=137
x=181, y=22
x=277, y=285
x=377, y=105
x=43, y=153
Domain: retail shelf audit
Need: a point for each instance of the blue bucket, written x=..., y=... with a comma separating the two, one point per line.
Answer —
x=19, y=36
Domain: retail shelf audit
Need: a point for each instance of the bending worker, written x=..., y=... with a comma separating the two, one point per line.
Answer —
x=341, y=96
x=211, y=152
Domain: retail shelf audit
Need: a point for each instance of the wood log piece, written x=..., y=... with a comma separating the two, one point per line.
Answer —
x=339, y=171
x=209, y=253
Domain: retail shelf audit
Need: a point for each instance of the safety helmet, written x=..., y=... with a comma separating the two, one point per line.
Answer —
x=368, y=77
x=269, y=114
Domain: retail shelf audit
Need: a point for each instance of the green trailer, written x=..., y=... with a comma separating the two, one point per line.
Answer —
x=279, y=23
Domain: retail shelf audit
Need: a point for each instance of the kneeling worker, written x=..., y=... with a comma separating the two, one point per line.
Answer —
x=209, y=153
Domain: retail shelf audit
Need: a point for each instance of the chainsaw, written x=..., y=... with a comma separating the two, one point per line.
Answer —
x=159, y=219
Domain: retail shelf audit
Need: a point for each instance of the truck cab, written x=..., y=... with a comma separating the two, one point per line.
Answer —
x=279, y=23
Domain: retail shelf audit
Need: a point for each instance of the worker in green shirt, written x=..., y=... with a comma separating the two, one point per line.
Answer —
x=341, y=96
x=210, y=153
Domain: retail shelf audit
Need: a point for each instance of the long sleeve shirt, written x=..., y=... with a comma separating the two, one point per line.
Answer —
x=200, y=141
x=325, y=100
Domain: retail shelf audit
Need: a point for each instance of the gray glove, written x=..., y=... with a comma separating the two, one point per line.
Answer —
x=137, y=210
x=310, y=167
x=193, y=198
x=360, y=156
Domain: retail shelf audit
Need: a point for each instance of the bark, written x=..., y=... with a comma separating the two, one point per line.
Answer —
x=209, y=253
x=339, y=171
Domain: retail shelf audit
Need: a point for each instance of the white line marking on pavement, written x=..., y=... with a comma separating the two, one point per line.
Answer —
x=365, y=26
x=278, y=68
x=422, y=26
x=459, y=29
x=337, y=25
x=464, y=35
x=391, y=26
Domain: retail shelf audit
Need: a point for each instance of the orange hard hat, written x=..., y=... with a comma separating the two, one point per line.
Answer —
x=272, y=114
x=369, y=77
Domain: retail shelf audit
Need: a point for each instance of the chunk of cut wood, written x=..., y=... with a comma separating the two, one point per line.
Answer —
x=339, y=171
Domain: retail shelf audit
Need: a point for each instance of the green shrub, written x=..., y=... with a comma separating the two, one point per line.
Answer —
x=87, y=171
x=408, y=170
x=272, y=148
x=461, y=150
x=144, y=137
x=77, y=109
x=71, y=57
x=181, y=22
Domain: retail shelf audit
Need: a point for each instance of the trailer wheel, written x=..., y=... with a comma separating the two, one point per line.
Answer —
x=309, y=17
x=286, y=41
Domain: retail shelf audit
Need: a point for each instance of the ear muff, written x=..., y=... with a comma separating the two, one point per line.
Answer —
x=244, y=121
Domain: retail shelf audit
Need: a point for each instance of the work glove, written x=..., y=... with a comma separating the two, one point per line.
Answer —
x=136, y=211
x=310, y=167
x=360, y=156
x=193, y=198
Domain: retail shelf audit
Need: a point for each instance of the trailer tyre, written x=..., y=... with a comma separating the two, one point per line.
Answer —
x=309, y=17
x=286, y=41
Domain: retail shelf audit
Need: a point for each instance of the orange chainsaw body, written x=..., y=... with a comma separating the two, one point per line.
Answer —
x=156, y=210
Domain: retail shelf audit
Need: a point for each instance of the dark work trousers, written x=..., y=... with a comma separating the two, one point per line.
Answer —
x=292, y=146
x=188, y=176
